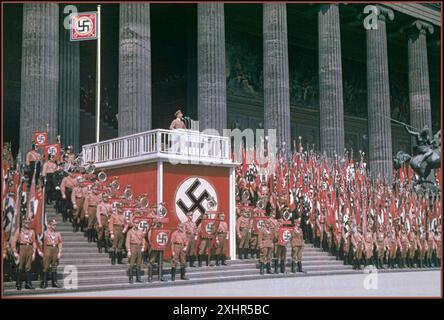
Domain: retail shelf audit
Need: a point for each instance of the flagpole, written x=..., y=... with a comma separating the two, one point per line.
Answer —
x=98, y=76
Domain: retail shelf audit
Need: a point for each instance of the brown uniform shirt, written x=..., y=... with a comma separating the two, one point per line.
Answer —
x=32, y=156
x=91, y=199
x=135, y=237
x=222, y=228
x=265, y=238
x=49, y=167
x=103, y=209
x=190, y=227
x=77, y=192
x=116, y=219
x=177, y=124
x=179, y=238
x=24, y=237
x=67, y=182
x=297, y=237
x=53, y=239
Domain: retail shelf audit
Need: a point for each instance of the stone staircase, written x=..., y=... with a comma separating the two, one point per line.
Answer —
x=95, y=272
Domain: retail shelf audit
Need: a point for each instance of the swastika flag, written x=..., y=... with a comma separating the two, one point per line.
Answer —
x=84, y=26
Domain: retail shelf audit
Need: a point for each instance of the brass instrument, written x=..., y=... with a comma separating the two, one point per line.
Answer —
x=102, y=177
x=128, y=192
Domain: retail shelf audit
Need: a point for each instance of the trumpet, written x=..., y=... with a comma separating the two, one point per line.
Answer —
x=114, y=185
x=128, y=192
x=142, y=201
x=90, y=168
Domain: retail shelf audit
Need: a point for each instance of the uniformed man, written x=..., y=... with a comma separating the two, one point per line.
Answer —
x=253, y=243
x=205, y=243
x=357, y=247
x=243, y=226
x=24, y=252
x=438, y=249
x=422, y=249
x=52, y=248
x=92, y=200
x=135, y=245
x=116, y=230
x=413, y=246
x=179, y=240
x=103, y=213
x=69, y=157
x=381, y=245
x=346, y=241
x=221, y=240
x=368, y=246
x=57, y=195
x=392, y=244
x=274, y=225
x=265, y=240
x=297, y=246
x=404, y=247
x=178, y=123
x=67, y=185
x=155, y=256
x=33, y=165
x=431, y=248
x=191, y=230
x=78, y=199
x=48, y=171
x=281, y=250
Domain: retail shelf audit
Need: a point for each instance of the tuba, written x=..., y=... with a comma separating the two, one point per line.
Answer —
x=90, y=168
x=142, y=201
x=114, y=185
x=102, y=176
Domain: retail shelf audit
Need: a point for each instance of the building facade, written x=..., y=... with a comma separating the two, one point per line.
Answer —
x=312, y=71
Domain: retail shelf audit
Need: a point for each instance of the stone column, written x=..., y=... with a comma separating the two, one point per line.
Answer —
x=40, y=72
x=419, y=88
x=378, y=99
x=134, y=69
x=276, y=79
x=331, y=102
x=211, y=81
x=69, y=88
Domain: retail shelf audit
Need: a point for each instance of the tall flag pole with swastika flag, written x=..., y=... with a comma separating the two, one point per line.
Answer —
x=86, y=26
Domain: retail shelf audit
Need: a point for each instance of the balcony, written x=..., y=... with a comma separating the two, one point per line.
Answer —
x=175, y=146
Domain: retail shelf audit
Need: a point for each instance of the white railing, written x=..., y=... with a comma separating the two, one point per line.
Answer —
x=189, y=144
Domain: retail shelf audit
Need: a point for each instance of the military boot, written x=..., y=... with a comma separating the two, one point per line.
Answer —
x=150, y=274
x=261, y=268
x=173, y=274
x=44, y=284
x=130, y=272
x=300, y=266
x=192, y=262
x=18, y=280
x=199, y=260
x=182, y=274
x=138, y=273
x=282, y=266
x=223, y=259
x=119, y=257
x=276, y=266
x=381, y=264
x=217, y=260
x=28, y=284
x=269, y=268
x=113, y=257
x=293, y=267
x=54, y=282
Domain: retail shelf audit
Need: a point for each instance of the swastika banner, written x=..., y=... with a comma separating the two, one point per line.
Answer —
x=40, y=138
x=84, y=26
x=159, y=239
x=52, y=149
x=258, y=223
x=284, y=236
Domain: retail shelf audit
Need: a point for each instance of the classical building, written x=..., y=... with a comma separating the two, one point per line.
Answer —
x=329, y=73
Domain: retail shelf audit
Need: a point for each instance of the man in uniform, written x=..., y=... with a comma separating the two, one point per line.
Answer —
x=254, y=248
x=221, y=240
x=191, y=230
x=103, y=213
x=265, y=240
x=431, y=247
x=368, y=246
x=33, y=165
x=178, y=122
x=57, y=178
x=438, y=249
x=52, y=252
x=205, y=243
x=179, y=241
x=404, y=247
x=281, y=250
x=92, y=200
x=78, y=199
x=116, y=227
x=274, y=225
x=422, y=249
x=69, y=157
x=243, y=226
x=357, y=247
x=27, y=241
x=297, y=246
x=135, y=245
x=381, y=244
x=392, y=244
x=413, y=240
x=155, y=255
x=49, y=168
x=67, y=185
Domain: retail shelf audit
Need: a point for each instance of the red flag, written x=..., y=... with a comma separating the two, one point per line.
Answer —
x=40, y=138
x=159, y=239
x=209, y=227
x=284, y=235
x=37, y=206
x=52, y=149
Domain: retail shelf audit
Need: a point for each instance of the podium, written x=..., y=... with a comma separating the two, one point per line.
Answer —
x=184, y=169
